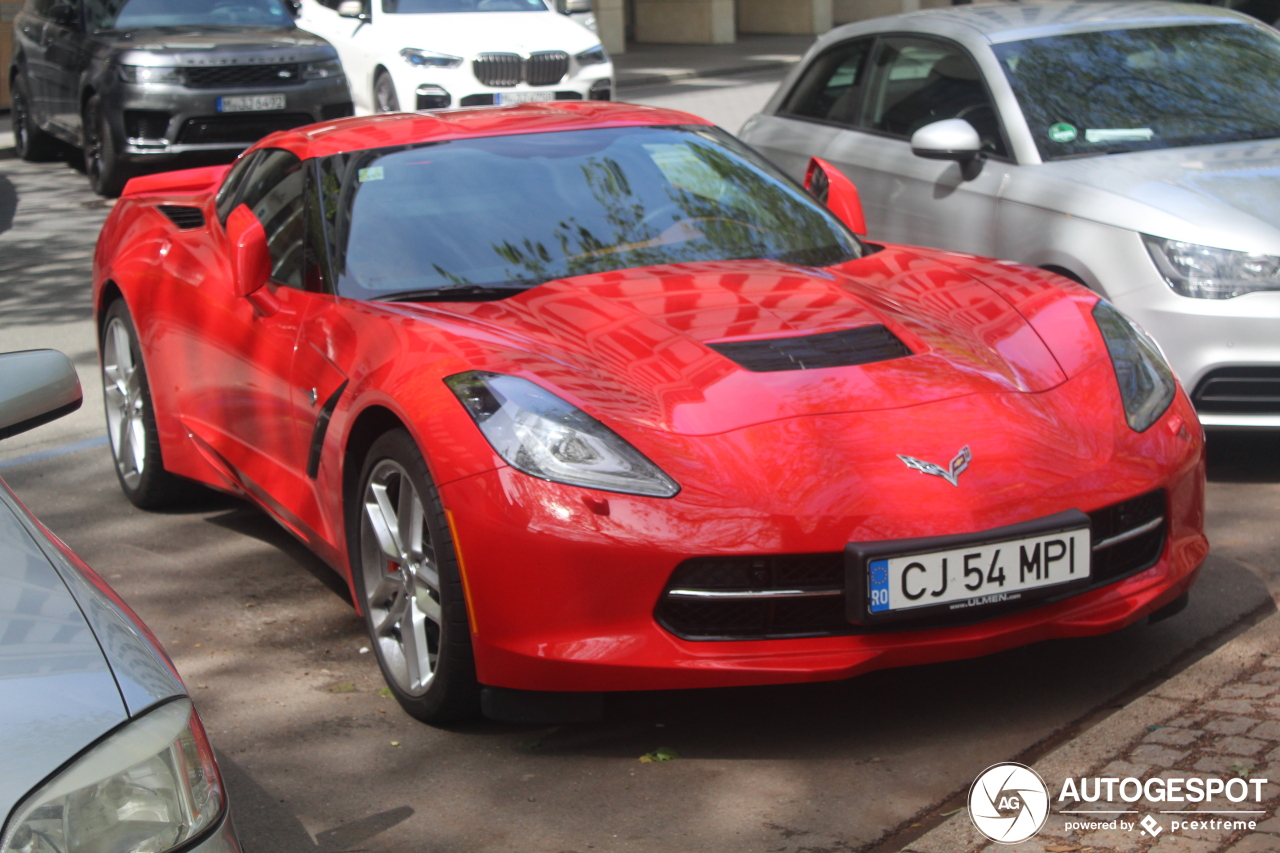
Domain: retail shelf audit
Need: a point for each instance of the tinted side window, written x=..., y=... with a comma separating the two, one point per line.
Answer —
x=831, y=87
x=229, y=195
x=274, y=192
x=39, y=7
x=920, y=81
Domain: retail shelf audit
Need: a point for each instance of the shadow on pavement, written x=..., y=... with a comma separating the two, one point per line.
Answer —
x=1244, y=457
x=260, y=816
x=8, y=203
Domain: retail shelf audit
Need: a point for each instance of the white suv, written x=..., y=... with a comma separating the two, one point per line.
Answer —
x=433, y=54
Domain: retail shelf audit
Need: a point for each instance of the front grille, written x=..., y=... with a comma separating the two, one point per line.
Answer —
x=243, y=76
x=803, y=595
x=247, y=128
x=1135, y=530
x=795, y=595
x=186, y=218
x=546, y=68
x=342, y=109
x=846, y=348
x=498, y=69
x=146, y=124
x=1239, y=390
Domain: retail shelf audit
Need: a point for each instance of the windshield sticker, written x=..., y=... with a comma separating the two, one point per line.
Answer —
x=1063, y=132
x=1119, y=134
x=373, y=173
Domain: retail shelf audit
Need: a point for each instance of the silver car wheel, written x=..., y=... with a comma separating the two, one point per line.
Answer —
x=122, y=385
x=401, y=578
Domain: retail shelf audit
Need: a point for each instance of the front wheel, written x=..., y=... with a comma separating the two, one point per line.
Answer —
x=406, y=576
x=107, y=172
x=29, y=141
x=385, y=99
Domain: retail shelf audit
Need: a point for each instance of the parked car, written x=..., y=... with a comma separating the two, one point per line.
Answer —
x=586, y=397
x=432, y=54
x=1134, y=147
x=141, y=84
x=100, y=746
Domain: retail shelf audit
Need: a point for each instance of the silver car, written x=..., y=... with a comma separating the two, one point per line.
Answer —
x=1134, y=147
x=100, y=747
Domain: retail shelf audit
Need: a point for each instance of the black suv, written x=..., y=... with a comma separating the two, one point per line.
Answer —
x=140, y=84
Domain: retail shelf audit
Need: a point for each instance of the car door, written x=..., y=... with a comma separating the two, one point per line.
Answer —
x=238, y=398
x=823, y=101
x=914, y=81
x=29, y=41
x=67, y=53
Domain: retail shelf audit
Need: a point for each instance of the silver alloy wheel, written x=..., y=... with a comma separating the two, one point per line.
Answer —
x=401, y=578
x=122, y=385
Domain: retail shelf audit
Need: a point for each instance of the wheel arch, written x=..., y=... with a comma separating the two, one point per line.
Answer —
x=107, y=297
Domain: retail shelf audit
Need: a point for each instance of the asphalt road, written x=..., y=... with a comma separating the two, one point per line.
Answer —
x=317, y=759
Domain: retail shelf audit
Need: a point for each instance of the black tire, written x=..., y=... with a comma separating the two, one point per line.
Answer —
x=438, y=685
x=385, y=99
x=131, y=421
x=30, y=142
x=107, y=173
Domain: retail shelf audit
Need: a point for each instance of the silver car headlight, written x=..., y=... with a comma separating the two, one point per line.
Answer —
x=322, y=69
x=150, y=786
x=1206, y=272
x=429, y=58
x=156, y=75
x=538, y=433
x=1147, y=385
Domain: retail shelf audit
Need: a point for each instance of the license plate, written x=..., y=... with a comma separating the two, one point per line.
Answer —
x=522, y=97
x=960, y=576
x=250, y=103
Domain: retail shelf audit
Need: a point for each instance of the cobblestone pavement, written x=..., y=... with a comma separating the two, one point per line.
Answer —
x=1219, y=719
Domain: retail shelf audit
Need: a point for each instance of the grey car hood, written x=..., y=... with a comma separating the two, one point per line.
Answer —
x=1216, y=195
x=74, y=663
x=213, y=45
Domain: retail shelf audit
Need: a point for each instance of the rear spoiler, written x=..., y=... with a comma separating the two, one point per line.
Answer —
x=180, y=182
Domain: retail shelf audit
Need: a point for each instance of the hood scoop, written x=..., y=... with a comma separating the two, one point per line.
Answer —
x=186, y=218
x=846, y=348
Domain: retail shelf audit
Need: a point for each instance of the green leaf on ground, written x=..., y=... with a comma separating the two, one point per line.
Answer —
x=953, y=811
x=662, y=753
x=1153, y=727
x=386, y=691
x=1241, y=769
x=342, y=687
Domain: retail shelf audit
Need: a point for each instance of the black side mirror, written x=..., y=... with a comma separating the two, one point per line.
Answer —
x=65, y=15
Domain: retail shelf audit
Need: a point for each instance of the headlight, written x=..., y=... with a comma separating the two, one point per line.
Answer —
x=542, y=435
x=1206, y=272
x=145, y=74
x=321, y=70
x=1147, y=386
x=595, y=56
x=149, y=787
x=429, y=58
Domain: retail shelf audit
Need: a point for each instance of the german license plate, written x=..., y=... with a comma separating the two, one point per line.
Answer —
x=523, y=97
x=250, y=103
x=960, y=575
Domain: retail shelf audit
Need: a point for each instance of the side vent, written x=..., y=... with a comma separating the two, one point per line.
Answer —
x=846, y=348
x=185, y=218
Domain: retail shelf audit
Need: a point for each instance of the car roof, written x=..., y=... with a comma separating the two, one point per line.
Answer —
x=1002, y=22
x=355, y=134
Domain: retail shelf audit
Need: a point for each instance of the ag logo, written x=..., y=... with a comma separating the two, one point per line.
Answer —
x=1008, y=803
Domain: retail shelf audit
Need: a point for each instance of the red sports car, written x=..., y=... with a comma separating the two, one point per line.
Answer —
x=586, y=397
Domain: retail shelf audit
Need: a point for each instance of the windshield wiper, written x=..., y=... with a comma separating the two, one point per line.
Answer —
x=456, y=293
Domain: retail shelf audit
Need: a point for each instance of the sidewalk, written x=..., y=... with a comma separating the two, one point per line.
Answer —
x=659, y=64
x=1218, y=718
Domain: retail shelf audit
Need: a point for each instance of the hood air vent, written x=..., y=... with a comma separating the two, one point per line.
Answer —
x=846, y=348
x=185, y=218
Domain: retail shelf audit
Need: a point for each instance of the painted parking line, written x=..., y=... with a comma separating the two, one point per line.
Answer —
x=53, y=452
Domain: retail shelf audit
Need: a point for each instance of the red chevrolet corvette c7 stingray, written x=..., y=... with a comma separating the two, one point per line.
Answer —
x=588, y=397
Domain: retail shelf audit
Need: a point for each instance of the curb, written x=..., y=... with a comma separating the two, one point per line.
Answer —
x=1093, y=749
x=642, y=79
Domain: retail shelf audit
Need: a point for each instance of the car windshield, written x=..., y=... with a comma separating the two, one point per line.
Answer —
x=1138, y=89
x=515, y=211
x=136, y=14
x=427, y=7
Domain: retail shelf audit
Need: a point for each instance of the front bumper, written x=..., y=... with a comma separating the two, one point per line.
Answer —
x=563, y=583
x=1226, y=352
x=156, y=123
